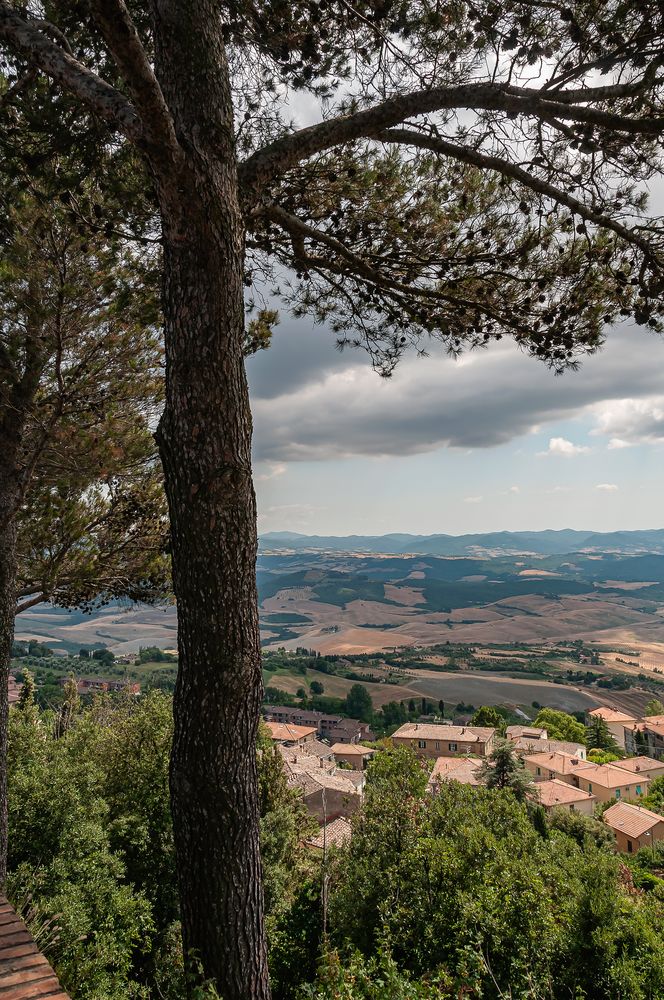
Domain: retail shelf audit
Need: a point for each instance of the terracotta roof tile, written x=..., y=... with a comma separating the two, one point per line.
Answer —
x=285, y=732
x=549, y=746
x=461, y=769
x=351, y=748
x=515, y=732
x=638, y=765
x=610, y=715
x=462, y=734
x=559, y=793
x=633, y=821
x=25, y=974
x=334, y=834
x=610, y=776
x=561, y=762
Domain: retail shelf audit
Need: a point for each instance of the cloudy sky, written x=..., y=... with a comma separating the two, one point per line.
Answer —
x=493, y=441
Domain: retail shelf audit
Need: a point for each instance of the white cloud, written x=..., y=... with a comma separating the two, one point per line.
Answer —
x=514, y=489
x=473, y=499
x=561, y=446
x=607, y=487
x=276, y=469
x=628, y=422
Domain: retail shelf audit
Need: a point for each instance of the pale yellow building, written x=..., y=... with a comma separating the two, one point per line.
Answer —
x=616, y=722
x=445, y=741
x=604, y=781
x=556, y=794
x=352, y=753
x=634, y=826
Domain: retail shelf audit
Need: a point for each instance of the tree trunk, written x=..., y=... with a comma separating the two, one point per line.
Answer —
x=205, y=443
x=9, y=494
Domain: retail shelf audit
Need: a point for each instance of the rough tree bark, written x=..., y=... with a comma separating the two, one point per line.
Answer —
x=205, y=444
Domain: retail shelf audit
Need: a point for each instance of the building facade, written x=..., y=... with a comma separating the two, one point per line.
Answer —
x=445, y=741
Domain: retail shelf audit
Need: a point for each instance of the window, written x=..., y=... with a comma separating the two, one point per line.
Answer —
x=638, y=789
x=452, y=746
x=539, y=770
x=590, y=787
x=629, y=847
x=617, y=793
x=422, y=744
x=437, y=744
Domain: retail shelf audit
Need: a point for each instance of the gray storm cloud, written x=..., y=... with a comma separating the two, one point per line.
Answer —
x=310, y=402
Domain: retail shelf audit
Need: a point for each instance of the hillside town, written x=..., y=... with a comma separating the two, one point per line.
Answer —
x=325, y=758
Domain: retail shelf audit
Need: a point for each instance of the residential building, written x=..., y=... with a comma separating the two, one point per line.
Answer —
x=557, y=794
x=525, y=732
x=333, y=834
x=606, y=782
x=298, y=758
x=97, y=685
x=642, y=765
x=326, y=795
x=465, y=770
x=334, y=728
x=282, y=732
x=444, y=740
x=524, y=744
x=634, y=826
x=653, y=727
x=547, y=766
x=316, y=748
x=616, y=722
x=351, y=753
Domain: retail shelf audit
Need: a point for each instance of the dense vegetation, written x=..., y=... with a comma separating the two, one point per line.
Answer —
x=467, y=890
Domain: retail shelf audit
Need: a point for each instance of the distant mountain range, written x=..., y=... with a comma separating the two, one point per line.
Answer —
x=545, y=543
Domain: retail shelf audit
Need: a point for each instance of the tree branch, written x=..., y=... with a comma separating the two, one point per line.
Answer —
x=361, y=268
x=100, y=97
x=30, y=603
x=282, y=154
x=120, y=34
x=410, y=137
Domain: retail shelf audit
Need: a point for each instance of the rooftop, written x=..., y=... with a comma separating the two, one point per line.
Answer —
x=609, y=776
x=610, y=715
x=333, y=834
x=549, y=746
x=461, y=769
x=639, y=765
x=24, y=972
x=559, y=793
x=351, y=748
x=301, y=760
x=561, y=762
x=516, y=732
x=284, y=732
x=634, y=821
x=464, y=734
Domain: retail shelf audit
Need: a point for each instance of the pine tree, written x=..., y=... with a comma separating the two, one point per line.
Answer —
x=600, y=737
x=475, y=172
x=504, y=769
